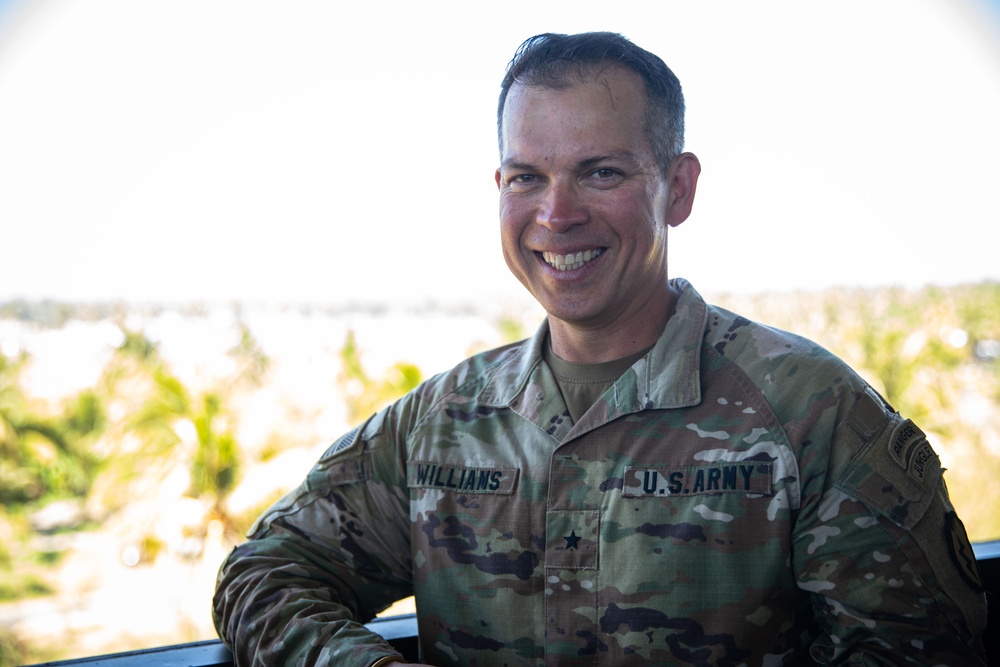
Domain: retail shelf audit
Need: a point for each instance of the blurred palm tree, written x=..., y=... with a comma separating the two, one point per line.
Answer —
x=178, y=427
x=365, y=395
x=43, y=456
x=165, y=425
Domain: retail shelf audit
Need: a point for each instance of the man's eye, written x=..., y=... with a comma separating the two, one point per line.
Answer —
x=604, y=173
x=522, y=181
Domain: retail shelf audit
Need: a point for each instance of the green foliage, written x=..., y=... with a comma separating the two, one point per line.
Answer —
x=511, y=328
x=84, y=416
x=170, y=422
x=976, y=307
x=19, y=462
x=158, y=417
x=20, y=570
x=16, y=651
x=253, y=363
x=135, y=358
x=80, y=451
x=216, y=464
x=21, y=586
x=43, y=456
x=13, y=650
x=365, y=395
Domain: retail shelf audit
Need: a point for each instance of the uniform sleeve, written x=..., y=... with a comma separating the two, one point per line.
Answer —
x=878, y=544
x=322, y=561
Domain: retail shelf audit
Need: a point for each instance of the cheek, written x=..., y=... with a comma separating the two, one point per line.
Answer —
x=640, y=220
x=511, y=226
x=511, y=245
x=511, y=230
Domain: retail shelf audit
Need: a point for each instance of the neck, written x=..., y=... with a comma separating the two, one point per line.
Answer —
x=583, y=344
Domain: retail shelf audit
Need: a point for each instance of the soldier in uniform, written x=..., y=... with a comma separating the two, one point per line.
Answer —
x=649, y=479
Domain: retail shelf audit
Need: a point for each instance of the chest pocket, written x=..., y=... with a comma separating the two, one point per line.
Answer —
x=702, y=506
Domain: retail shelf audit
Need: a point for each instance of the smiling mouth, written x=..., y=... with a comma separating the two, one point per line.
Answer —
x=571, y=261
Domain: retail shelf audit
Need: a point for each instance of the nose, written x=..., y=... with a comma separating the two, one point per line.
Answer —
x=561, y=207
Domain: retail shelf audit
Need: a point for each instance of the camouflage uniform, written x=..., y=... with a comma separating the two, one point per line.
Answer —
x=738, y=497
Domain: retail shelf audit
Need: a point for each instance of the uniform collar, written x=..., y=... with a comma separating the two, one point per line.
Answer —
x=510, y=376
x=668, y=376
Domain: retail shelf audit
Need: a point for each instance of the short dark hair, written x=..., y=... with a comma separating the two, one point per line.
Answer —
x=552, y=60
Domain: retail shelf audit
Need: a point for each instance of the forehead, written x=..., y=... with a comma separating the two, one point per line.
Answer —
x=601, y=111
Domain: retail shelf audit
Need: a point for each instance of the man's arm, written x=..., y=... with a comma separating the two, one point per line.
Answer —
x=885, y=555
x=322, y=561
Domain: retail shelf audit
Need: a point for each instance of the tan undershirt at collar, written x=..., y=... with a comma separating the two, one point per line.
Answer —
x=582, y=384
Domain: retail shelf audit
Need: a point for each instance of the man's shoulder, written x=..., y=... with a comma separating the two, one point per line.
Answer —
x=782, y=365
x=745, y=341
x=726, y=329
x=471, y=375
x=741, y=340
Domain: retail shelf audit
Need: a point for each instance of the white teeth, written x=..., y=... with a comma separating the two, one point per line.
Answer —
x=570, y=261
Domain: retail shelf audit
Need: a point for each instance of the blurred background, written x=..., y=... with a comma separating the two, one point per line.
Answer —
x=229, y=230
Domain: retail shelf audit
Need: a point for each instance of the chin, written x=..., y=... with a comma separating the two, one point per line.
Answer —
x=579, y=314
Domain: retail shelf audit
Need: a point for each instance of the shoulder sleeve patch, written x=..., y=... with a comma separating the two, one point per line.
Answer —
x=896, y=473
x=341, y=449
x=348, y=460
x=961, y=552
x=909, y=448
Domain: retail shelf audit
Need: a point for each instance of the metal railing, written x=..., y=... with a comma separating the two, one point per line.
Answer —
x=401, y=632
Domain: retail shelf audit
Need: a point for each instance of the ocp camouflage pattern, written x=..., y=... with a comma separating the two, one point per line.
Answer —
x=738, y=497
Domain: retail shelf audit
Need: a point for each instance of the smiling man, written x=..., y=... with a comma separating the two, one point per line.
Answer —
x=585, y=203
x=648, y=480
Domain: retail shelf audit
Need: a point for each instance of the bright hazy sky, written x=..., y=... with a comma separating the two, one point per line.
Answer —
x=321, y=151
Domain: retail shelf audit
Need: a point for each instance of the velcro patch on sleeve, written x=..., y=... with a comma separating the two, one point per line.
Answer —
x=868, y=415
x=909, y=448
x=350, y=470
x=895, y=474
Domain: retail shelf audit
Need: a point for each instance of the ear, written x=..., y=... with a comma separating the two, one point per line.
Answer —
x=682, y=178
x=496, y=177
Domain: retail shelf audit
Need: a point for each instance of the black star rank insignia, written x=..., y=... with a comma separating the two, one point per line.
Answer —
x=572, y=540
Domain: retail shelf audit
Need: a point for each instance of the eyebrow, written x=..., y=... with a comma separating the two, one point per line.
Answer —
x=514, y=165
x=623, y=156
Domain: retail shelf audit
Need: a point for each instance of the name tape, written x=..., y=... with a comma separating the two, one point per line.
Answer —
x=747, y=477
